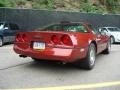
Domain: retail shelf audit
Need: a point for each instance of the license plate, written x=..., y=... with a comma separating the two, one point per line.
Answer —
x=38, y=45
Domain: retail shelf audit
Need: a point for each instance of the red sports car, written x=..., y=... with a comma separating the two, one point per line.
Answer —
x=65, y=42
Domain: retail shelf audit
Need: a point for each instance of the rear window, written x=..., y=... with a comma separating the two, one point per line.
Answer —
x=66, y=27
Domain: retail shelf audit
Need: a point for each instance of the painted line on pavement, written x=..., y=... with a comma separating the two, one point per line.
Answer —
x=74, y=87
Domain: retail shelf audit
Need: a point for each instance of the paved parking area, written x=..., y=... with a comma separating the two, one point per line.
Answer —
x=19, y=73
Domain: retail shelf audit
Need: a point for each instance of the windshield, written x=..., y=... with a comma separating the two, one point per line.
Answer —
x=1, y=26
x=114, y=29
x=66, y=27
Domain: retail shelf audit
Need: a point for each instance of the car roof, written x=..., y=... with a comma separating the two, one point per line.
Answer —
x=108, y=27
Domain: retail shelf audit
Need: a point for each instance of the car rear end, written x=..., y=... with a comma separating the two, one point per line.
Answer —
x=58, y=46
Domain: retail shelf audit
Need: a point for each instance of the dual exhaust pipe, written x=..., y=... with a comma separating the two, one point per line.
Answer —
x=23, y=56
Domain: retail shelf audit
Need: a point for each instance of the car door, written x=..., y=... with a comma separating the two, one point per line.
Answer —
x=6, y=33
x=12, y=32
x=100, y=42
x=98, y=38
x=14, y=29
x=105, y=35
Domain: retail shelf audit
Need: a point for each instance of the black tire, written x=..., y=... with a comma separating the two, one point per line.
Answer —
x=112, y=40
x=108, y=48
x=87, y=63
x=1, y=42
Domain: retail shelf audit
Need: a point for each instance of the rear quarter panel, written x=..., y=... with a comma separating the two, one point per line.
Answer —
x=84, y=39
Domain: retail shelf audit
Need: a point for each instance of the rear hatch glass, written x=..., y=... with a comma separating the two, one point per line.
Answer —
x=66, y=27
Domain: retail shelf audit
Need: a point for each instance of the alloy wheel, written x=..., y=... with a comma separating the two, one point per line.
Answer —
x=92, y=56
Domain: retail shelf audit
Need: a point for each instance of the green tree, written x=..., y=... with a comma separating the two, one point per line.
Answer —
x=2, y=3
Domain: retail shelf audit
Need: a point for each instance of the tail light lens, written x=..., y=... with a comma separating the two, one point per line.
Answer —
x=66, y=40
x=18, y=38
x=21, y=38
x=24, y=38
x=55, y=39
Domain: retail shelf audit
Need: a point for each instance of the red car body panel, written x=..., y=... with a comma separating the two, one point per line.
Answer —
x=60, y=52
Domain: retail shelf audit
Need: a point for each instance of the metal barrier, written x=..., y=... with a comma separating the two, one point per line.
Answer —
x=29, y=19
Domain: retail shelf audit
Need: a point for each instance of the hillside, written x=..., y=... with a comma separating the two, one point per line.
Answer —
x=90, y=6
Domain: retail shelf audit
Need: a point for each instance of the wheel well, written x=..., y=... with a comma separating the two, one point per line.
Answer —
x=95, y=44
x=112, y=36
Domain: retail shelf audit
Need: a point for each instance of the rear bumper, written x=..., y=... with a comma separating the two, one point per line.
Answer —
x=56, y=54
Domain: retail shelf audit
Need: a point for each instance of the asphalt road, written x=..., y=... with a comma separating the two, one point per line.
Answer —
x=19, y=73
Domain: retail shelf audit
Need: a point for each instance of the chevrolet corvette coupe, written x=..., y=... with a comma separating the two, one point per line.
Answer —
x=66, y=42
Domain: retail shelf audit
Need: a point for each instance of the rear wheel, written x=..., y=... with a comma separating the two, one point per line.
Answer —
x=89, y=62
x=91, y=56
x=1, y=42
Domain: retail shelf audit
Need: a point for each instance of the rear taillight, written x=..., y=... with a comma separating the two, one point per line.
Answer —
x=18, y=38
x=55, y=39
x=63, y=40
x=21, y=38
x=24, y=38
x=66, y=40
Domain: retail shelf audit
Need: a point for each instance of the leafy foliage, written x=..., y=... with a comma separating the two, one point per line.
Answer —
x=90, y=6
